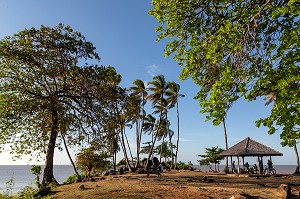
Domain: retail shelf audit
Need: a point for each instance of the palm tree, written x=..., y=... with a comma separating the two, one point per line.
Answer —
x=158, y=88
x=140, y=91
x=148, y=125
x=173, y=96
x=133, y=115
x=164, y=131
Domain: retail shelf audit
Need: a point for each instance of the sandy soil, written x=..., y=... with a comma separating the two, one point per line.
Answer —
x=179, y=184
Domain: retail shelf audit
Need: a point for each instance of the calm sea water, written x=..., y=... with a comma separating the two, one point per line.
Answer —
x=23, y=177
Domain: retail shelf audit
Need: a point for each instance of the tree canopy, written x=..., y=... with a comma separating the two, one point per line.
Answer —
x=48, y=91
x=234, y=49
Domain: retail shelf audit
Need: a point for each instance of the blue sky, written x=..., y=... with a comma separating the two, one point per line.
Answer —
x=124, y=35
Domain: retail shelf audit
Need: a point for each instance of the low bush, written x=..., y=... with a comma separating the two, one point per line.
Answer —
x=71, y=179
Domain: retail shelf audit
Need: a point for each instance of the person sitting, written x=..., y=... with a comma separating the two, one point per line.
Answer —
x=270, y=164
x=255, y=169
x=246, y=167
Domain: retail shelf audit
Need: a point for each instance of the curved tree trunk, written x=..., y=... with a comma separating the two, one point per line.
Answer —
x=124, y=150
x=128, y=145
x=153, y=143
x=48, y=176
x=226, y=145
x=297, y=159
x=72, y=162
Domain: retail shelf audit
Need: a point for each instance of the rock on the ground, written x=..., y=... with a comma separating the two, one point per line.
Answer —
x=284, y=191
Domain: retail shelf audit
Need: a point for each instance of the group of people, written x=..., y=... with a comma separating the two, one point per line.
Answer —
x=155, y=165
x=254, y=169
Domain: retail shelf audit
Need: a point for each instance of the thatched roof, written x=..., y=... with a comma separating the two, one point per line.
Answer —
x=249, y=147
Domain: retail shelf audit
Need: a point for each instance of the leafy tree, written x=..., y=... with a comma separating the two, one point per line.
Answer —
x=211, y=158
x=46, y=89
x=100, y=160
x=237, y=48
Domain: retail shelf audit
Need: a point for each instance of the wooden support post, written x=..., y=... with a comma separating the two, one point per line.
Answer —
x=238, y=159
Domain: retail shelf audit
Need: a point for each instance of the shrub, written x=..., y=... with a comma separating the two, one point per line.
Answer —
x=182, y=166
x=27, y=193
x=71, y=179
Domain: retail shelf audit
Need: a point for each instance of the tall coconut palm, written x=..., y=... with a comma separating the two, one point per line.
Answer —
x=158, y=88
x=139, y=90
x=173, y=96
x=164, y=131
x=133, y=116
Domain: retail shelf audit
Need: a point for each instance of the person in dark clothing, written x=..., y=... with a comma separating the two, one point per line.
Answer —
x=270, y=164
x=233, y=167
x=149, y=166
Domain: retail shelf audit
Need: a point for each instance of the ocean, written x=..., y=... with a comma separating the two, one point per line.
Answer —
x=22, y=176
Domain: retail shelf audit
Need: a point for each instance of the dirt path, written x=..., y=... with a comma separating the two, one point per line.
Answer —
x=185, y=184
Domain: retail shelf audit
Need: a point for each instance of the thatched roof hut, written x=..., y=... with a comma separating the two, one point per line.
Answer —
x=249, y=147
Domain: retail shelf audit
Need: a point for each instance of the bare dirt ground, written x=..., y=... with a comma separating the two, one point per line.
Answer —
x=179, y=184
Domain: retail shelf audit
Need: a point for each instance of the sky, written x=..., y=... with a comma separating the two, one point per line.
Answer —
x=125, y=38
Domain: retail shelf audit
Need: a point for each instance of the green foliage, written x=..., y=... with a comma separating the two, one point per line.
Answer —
x=27, y=193
x=211, y=157
x=164, y=150
x=182, y=166
x=71, y=179
x=36, y=170
x=121, y=162
x=47, y=90
x=235, y=49
x=98, y=159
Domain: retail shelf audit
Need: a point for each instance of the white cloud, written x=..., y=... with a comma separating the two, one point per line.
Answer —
x=153, y=70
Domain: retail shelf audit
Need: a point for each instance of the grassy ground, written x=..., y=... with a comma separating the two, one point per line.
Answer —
x=177, y=184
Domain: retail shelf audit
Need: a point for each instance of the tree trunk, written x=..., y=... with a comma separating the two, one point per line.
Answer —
x=72, y=162
x=297, y=159
x=177, y=143
x=124, y=151
x=141, y=128
x=48, y=171
x=226, y=145
x=153, y=143
x=128, y=145
x=161, y=149
x=137, y=144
